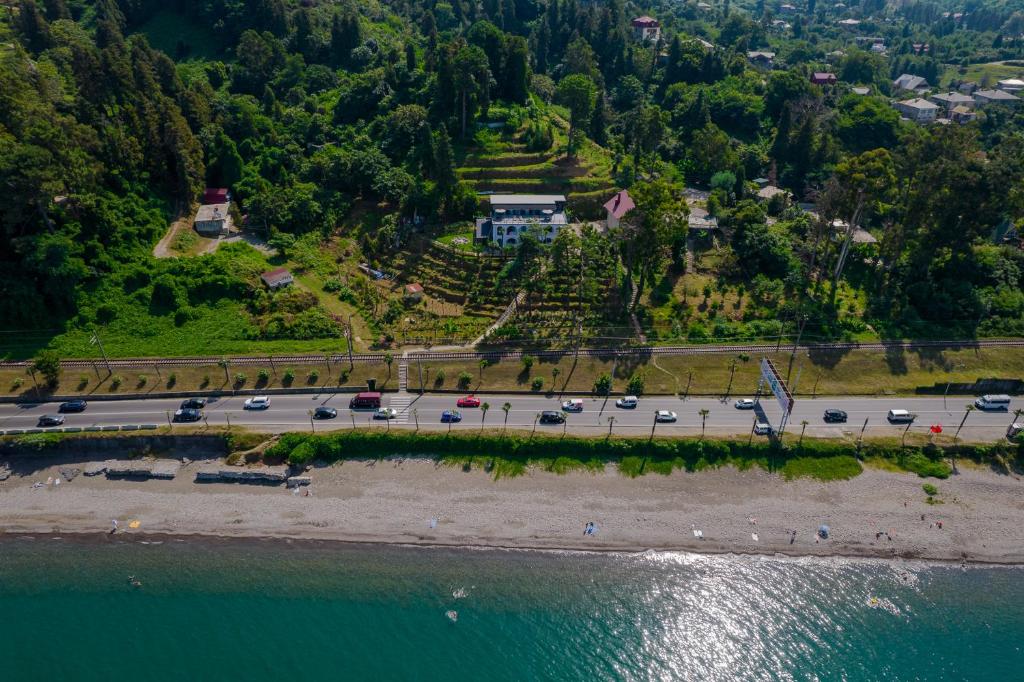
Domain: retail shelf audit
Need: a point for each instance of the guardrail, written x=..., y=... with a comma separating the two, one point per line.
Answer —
x=81, y=429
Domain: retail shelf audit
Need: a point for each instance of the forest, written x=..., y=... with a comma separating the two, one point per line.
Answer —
x=353, y=132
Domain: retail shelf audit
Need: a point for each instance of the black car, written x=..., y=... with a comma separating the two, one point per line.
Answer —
x=325, y=413
x=193, y=404
x=51, y=420
x=835, y=416
x=188, y=414
x=77, y=405
x=551, y=417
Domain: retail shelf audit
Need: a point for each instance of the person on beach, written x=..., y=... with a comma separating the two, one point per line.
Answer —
x=113, y=524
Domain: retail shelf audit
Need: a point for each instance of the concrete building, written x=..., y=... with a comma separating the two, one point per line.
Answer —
x=823, y=78
x=910, y=83
x=986, y=97
x=277, y=279
x=646, y=28
x=212, y=220
x=918, y=110
x=950, y=100
x=512, y=215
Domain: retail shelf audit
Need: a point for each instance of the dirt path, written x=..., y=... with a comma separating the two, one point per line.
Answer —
x=183, y=221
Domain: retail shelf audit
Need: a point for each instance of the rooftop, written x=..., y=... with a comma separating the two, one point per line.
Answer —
x=1000, y=95
x=620, y=204
x=277, y=276
x=208, y=212
x=953, y=97
x=918, y=103
x=645, y=21
x=498, y=200
x=215, y=195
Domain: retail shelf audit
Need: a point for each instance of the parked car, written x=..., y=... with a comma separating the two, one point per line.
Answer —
x=835, y=416
x=258, y=402
x=627, y=402
x=551, y=417
x=451, y=416
x=468, y=401
x=574, y=405
x=193, y=404
x=367, y=400
x=188, y=414
x=76, y=405
x=762, y=429
x=899, y=416
x=51, y=420
x=745, y=404
x=1014, y=430
x=324, y=412
x=385, y=413
x=665, y=416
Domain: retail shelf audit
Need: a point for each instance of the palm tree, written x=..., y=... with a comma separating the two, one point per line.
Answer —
x=554, y=377
x=388, y=359
x=653, y=426
x=611, y=422
x=483, y=414
x=535, y=418
x=482, y=364
x=223, y=363
x=970, y=408
x=910, y=422
x=416, y=417
x=505, y=408
x=803, y=427
x=1016, y=415
x=703, y=420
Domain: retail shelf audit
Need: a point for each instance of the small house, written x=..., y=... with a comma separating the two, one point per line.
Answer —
x=761, y=58
x=216, y=195
x=849, y=23
x=700, y=220
x=823, y=78
x=1011, y=85
x=962, y=114
x=985, y=97
x=950, y=100
x=413, y=292
x=967, y=87
x=277, y=279
x=212, y=220
x=646, y=28
x=787, y=9
x=918, y=110
x=769, y=192
x=617, y=207
x=908, y=82
x=861, y=90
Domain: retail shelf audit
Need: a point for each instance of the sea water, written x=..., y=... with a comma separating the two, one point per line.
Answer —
x=271, y=610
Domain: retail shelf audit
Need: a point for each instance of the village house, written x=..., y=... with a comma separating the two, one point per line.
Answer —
x=646, y=28
x=787, y=9
x=1011, y=85
x=910, y=83
x=761, y=59
x=699, y=219
x=823, y=78
x=985, y=97
x=951, y=100
x=212, y=220
x=769, y=192
x=962, y=114
x=413, y=293
x=512, y=215
x=277, y=279
x=861, y=90
x=617, y=207
x=918, y=110
x=849, y=23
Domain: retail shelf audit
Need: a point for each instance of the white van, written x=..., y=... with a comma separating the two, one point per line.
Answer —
x=993, y=402
x=900, y=416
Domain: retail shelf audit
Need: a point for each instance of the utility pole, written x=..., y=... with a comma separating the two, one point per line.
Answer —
x=169, y=424
x=99, y=342
x=351, y=337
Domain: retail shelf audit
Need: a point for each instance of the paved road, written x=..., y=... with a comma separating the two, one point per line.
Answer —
x=291, y=412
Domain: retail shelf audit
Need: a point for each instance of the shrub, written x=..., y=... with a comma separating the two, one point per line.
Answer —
x=636, y=384
x=116, y=381
x=83, y=381
x=527, y=361
x=537, y=383
x=47, y=363
x=439, y=377
x=142, y=381
x=17, y=383
x=603, y=385
x=288, y=377
x=240, y=379
x=172, y=379
x=313, y=376
x=464, y=379
x=930, y=489
x=263, y=376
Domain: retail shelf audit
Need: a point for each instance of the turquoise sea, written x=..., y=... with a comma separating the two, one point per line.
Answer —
x=271, y=610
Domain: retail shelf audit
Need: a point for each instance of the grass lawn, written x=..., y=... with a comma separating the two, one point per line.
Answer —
x=849, y=373
x=987, y=74
x=154, y=381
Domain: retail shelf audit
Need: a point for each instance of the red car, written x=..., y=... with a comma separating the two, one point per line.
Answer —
x=468, y=401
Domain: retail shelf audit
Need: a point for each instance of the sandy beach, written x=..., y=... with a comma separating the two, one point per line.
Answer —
x=417, y=501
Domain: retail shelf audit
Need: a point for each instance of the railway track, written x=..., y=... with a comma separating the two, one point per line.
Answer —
x=428, y=355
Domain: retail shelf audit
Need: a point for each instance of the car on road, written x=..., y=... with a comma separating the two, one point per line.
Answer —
x=385, y=413
x=468, y=401
x=257, y=402
x=367, y=400
x=1014, y=430
x=899, y=417
x=995, y=403
x=833, y=416
x=552, y=417
x=324, y=412
x=574, y=405
x=451, y=417
x=762, y=429
x=188, y=414
x=665, y=416
x=627, y=402
x=51, y=420
x=76, y=405
x=193, y=404
x=745, y=404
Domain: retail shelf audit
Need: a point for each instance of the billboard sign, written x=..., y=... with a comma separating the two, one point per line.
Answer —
x=771, y=376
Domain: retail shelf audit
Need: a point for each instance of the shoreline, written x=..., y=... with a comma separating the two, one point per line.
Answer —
x=421, y=503
x=216, y=539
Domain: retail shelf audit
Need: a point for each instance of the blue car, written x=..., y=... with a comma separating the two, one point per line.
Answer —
x=451, y=416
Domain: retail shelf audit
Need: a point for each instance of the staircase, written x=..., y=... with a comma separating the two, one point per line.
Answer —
x=634, y=294
x=403, y=375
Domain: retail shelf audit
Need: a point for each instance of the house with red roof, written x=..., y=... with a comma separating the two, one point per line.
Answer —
x=646, y=28
x=823, y=78
x=617, y=207
x=216, y=195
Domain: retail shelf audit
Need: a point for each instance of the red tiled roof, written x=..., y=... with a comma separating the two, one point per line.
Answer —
x=215, y=195
x=620, y=204
x=414, y=288
x=275, y=276
x=645, y=21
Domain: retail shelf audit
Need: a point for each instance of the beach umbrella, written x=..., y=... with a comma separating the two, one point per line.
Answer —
x=936, y=428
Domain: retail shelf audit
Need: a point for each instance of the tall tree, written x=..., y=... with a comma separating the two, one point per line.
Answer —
x=578, y=93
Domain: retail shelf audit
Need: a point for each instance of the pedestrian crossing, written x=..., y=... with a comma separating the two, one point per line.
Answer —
x=401, y=402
